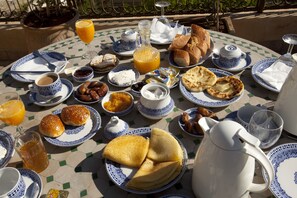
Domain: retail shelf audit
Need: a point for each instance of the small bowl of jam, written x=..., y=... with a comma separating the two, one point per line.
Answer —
x=83, y=74
x=136, y=87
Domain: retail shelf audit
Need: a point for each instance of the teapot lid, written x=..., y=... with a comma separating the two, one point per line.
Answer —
x=224, y=135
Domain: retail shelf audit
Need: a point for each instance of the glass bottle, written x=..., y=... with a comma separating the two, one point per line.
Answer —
x=146, y=58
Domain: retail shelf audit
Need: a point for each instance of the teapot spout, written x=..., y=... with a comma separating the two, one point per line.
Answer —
x=206, y=124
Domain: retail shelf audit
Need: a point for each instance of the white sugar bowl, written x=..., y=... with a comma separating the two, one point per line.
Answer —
x=155, y=101
x=115, y=127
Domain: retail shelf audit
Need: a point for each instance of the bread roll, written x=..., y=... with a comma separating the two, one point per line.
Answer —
x=201, y=33
x=197, y=41
x=194, y=52
x=181, y=57
x=179, y=41
x=51, y=126
x=75, y=115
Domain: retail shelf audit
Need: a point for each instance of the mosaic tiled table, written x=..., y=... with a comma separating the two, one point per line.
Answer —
x=81, y=170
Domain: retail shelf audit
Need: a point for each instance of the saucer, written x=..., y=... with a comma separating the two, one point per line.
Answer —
x=67, y=88
x=243, y=63
x=117, y=48
x=155, y=114
x=6, y=144
x=29, y=177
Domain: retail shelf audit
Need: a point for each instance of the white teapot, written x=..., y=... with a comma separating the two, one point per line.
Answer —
x=225, y=161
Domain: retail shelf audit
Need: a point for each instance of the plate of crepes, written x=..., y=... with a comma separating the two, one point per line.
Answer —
x=146, y=160
x=104, y=63
x=187, y=51
x=70, y=126
x=210, y=87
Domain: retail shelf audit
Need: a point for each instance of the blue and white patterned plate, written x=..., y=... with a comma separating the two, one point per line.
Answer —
x=30, y=176
x=202, y=59
x=260, y=67
x=67, y=89
x=122, y=68
x=6, y=143
x=284, y=161
x=204, y=99
x=120, y=175
x=33, y=63
x=243, y=63
x=118, y=48
x=75, y=135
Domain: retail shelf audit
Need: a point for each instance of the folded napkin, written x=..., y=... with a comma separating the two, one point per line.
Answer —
x=275, y=75
x=162, y=33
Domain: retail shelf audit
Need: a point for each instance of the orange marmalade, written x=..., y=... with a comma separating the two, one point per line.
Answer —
x=118, y=102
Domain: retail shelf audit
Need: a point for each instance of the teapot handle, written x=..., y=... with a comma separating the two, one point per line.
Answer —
x=252, y=148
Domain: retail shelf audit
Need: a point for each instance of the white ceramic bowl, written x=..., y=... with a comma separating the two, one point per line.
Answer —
x=119, y=113
x=115, y=128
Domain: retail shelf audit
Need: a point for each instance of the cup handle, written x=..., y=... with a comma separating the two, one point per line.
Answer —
x=32, y=88
x=243, y=55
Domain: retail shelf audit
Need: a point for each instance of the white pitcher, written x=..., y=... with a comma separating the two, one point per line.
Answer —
x=225, y=161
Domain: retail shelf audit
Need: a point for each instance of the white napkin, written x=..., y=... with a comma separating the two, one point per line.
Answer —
x=275, y=75
x=162, y=33
x=38, y=64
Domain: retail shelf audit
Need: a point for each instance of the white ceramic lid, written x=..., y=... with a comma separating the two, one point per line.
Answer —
x=115, y=125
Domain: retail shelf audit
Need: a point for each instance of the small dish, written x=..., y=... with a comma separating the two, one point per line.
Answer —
x=136, y=88
x=166, y=75
x=118, y=99
x=6, y=148
x=243, y=63
x=115, y=73
x=192, y=112
x=115, y=128
x=83, y=74
x=29, y=177
x=67, y=89
x=118, y=48
x=100, y=89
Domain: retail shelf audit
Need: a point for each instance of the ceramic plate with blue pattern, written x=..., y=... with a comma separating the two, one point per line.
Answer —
x=30, y=177
x=202, y=59
x=120, y=68
x=67, y=89
x=76, y=135
x=203, y=98
x=31, y=62
x=243, y=63
x=118, y=48
x=284, y=161
x=6, y=148
x=260, y=67
x=120, y=175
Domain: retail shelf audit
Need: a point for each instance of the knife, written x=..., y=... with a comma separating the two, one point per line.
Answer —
x=28, y=72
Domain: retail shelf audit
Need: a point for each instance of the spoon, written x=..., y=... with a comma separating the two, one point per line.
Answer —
x=31, y=190
x=50, y=65
x=51, y=100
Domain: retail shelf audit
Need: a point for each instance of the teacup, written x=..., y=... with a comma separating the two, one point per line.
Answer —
x=11, y=183
x=230, y=56
x=128, y=39
x=47, y=85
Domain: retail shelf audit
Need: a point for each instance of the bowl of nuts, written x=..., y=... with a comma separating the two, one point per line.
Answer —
x=188, y=120
x=90, y=92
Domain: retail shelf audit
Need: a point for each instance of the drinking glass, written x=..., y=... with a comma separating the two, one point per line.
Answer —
x=30, y=148
x=267, y=126
x=85, y=30
x=12, y=109
x=162, y=20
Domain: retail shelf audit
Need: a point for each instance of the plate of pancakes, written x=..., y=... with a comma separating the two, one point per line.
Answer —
x=211, y=87
x=155, y=162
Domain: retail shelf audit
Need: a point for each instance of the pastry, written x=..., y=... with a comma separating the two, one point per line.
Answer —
x=75, y=115
x=51, y=126
x=201, y=33
x=198, y=42
x=194, y=52
x=181, y=57
x=179, y=41
x=103, y=63
x=129, y=150
x=226, y=87
x=198, y=79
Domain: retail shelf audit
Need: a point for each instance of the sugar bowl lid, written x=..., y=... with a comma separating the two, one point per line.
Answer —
x=115, y=127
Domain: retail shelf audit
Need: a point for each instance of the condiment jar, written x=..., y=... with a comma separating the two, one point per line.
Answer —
x=115, y=128
x=146, y=58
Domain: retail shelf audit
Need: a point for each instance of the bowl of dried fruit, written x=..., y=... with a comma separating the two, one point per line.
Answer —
x=188, y=120
x=118, y=103
x=90, y=92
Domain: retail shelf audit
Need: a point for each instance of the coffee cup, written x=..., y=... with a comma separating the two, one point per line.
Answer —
x=128, y=39
x=230, y=56
x=11, y=183
x=47, y=85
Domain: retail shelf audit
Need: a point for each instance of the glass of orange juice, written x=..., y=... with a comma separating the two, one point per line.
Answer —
x=12, y=109
x=31, y=149
x=85, y=30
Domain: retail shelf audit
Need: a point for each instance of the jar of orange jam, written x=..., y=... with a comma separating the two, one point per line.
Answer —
x=146, y=58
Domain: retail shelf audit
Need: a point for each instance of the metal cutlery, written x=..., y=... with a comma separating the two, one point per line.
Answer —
x=50, y=65
x=27, y=72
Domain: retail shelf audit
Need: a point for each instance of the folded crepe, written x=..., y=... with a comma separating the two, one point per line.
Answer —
x=152, y=175
x=164, y=147
x=129, y=150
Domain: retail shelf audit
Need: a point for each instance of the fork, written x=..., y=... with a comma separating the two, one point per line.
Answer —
x=50, y=65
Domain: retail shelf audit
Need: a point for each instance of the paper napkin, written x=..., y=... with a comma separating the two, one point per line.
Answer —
x=275, y=75
x=162, y=33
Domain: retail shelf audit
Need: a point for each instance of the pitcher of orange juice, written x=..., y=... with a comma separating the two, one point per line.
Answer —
x=146, y=58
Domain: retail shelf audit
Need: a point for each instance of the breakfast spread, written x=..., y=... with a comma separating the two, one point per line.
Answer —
x=188, y=49
x=158, y=158
x=118, y=101
x=91, y=91
x=103, y=63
